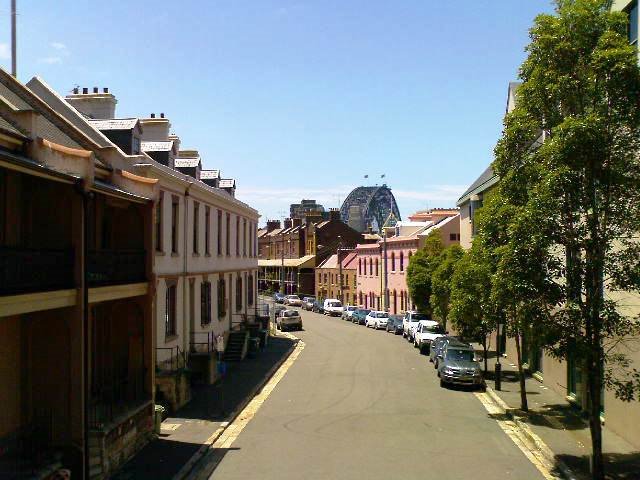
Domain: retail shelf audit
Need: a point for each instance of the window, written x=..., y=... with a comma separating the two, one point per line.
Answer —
x=244, y=237
x=250, y=290
x=238, y=293
x=377, y=266
x=359, y=266
x=632, y=29
x=325, y=278
x=237, y=236
x=228, y=235
x=452, y=237
x=393, y=261
x=135, y=147
x=175, y=206
x=170, y=311
x=207, y=230
x=370, y=266
x=159, y=223
x=196, y=220
x=222, y=295
x=402, y=261
x=219, y=232
x=205, y=303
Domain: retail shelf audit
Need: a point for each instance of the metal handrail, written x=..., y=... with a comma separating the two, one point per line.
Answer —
x=176, y=362
x=208, y=342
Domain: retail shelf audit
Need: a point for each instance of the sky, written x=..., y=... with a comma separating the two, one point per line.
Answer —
x=298, y=99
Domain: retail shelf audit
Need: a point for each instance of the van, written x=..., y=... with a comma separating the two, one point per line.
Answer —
x=333, y=307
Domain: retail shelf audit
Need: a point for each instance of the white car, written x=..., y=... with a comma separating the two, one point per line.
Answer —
x=293, y=300
x=333, y=307
x=347, y=312
x=376, y=319
x=426, y=332
x=409, y=322
x=288, y=319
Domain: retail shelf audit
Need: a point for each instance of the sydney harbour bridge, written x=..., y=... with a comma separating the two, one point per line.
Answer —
x=370, y=207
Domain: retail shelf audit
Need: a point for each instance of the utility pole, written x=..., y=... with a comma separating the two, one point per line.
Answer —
x=386, y=278
x=14, y=60
x=339, y=268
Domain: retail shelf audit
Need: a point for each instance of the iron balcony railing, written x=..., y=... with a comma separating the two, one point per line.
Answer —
x=113, y=399
x=26, y=270
x=202, y=342
x=115, y=267
x=170, y=359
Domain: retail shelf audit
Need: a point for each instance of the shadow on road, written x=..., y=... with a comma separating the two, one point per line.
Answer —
x=617, y=466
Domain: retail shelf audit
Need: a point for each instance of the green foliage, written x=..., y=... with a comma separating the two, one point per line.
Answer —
x=421, y=268
x=441, y=282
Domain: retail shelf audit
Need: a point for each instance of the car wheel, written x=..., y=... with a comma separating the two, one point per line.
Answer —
x=442, y=382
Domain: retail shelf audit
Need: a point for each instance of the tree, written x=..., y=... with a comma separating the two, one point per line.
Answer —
x=469, y=310
x=441, y=282
x=421, y=267
x=581, y=95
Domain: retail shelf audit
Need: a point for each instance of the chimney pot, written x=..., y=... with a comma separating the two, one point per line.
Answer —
x=75, y=90
x=85, y=90
x=162, y=115
x=105, y=90
x=153, y=115
x=95, y=89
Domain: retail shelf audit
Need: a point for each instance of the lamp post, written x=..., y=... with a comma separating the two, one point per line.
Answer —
x=339, y=268
x=386, y=278
x=498, y=366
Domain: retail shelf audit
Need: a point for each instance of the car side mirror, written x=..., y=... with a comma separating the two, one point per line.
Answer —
x=447, y=332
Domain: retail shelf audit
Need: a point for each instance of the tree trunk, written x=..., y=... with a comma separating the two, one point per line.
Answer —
x=484, y=349
x=523, y=386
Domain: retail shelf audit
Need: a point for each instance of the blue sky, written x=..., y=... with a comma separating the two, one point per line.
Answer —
x=298, y=98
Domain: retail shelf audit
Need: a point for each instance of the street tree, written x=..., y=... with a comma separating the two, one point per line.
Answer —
x=421, y=268
x=441, y=282
x=581, y=95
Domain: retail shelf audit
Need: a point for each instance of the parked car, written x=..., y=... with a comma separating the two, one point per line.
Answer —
x=288, y=319
x=278, y=297
x=360, y=316
x=293, y=301
x=394, y=325
x=277, y=309
x=318, y=306
x=438, y=350
x=409, y=321
x=307, y=303
x=332, y=307
x=347, y=312
x=376, y=319
x=425, y=333
x=459, y=366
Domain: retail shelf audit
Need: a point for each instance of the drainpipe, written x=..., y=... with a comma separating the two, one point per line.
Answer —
x=185, y=340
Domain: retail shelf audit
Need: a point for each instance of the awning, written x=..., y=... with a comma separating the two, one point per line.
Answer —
x=114, y=190
x=308, y=261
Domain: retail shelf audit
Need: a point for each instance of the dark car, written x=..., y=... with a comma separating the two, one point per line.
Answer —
x=318, y=306
x=394, y=324
x=460, y=367
x=278, y=297
x=435, y=354
x=360, y=316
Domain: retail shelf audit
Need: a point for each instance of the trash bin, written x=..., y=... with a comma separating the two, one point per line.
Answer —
x=157, y=420
x=254, y=347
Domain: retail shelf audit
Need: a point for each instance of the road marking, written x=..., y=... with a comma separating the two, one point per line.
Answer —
x=233, y=430
x=538, y=454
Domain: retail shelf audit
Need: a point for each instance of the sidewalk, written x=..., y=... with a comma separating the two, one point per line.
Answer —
x=205, y=416
x=561, y=427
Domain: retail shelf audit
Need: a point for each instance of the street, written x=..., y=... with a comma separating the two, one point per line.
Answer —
x=359, y=403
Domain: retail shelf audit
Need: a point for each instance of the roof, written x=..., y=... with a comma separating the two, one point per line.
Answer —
x=227, y=183
x=440, y=224
x=303, y=262
x=6, y=127
x=156, y=146
x=261, y=232
x=187, y=162
x=114, y=123
x=346, y=261
x=209, y=174
x=368, y=246
x=331, y=262
x=485, y=181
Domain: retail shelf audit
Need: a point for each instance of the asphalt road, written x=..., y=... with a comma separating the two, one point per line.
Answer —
x=364, y=404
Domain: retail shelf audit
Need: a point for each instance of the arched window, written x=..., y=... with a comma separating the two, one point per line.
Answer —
x=376, y=267
x=359, y=266
x=393, y=261
x=238, y=293
x=222, y=304
x=250, y=290
x=402, y=261
x=395, y=302
x=370, y=266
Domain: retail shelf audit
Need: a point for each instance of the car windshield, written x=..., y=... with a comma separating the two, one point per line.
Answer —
x=382, y=315
x=350, y=309
x=418, y=316
x=365, y=312
x=335, y=304
x=460, y=355
x=290, y=313
x=433, y=329
x=293, y=297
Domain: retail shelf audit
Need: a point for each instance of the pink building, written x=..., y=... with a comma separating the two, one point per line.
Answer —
x=407, y=238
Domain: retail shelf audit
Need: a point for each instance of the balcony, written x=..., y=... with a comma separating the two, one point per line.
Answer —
x=28, y=270
x=116, y=267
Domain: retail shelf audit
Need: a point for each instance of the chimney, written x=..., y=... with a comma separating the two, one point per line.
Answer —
x=85, y=90
x=334, y=215
x=75, y=90
x=297, y=221
x=288, y=223
x=273, y=225
x=95, y=104
x=95, y=89
x=153, y=115
x=105, y=90
x=162, y=115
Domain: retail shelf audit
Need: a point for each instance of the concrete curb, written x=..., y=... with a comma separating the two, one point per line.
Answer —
x=519, y=419
x=188, y=467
